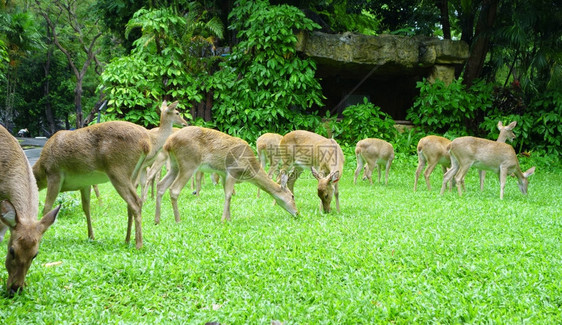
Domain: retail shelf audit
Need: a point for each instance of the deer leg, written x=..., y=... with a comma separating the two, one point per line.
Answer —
x=97, y=192
x=293, y=176
x=198, y=177
x=388, y=164
x=459, y=177
x=126, y=189
x=228, y=189
x=161, y=188
x=482, y=174
x=379, y=170
x=337, y=195
x=503, y=178
x=85, y=196
x=360, y=164
x=449, y=176
x=427, y=174
x=421, y=165
x=53, y=188
x=180, y=181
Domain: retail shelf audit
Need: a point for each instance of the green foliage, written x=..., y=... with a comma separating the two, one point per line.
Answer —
x=162, y=64
x=548, y=124
x=264, y=86
x=450, y=108
x=347, y=16
x=365, y=121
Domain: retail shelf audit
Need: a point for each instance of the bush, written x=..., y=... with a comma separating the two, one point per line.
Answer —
x=450, y=108
x=365, y=121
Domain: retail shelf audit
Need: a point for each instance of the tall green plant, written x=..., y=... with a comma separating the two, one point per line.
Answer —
x=452, y=108
x=264, y=85
x=365, y=121
x=163, y=63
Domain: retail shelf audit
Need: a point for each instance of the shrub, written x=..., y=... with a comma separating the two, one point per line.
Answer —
x=365, y=121
x=450, y=108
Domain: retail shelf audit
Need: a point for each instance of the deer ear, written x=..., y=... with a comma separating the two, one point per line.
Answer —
x=49, y=219
x=529, y=172
x=173, y=105
x=8, y=214
x=315, y=173
x=334, y=176
x=500, y=125
x=512, y=125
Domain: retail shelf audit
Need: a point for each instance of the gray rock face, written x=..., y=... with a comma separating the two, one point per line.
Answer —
x=391, y=54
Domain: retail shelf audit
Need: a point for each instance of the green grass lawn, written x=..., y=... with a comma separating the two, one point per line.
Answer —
x=390, y=256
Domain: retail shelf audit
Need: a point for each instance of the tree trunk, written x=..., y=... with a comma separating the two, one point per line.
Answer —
x=446, y=25
x=78, y=103
x=51, y=128
x=481, y=43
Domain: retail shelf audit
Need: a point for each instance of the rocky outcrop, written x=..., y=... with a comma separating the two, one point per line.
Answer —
x=387, y=54
x=384, y=69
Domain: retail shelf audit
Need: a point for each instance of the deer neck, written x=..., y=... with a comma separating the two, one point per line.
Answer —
x=265, y=183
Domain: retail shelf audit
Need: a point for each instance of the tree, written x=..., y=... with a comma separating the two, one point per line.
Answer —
x=21, y=38
x=264, y=85
x=75, y=33
x=165, y=63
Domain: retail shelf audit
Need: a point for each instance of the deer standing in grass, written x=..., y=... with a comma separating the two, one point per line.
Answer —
x=303, y=149
x=19, y=205
x=373, y=153
x=267, y=146
x=169, y=116
x=432, y=150
x=115, y=151
x=200, y=149
x=484, y=154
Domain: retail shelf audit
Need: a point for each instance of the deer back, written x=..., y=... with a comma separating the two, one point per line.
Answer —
x=84, y=156
x=484, y=154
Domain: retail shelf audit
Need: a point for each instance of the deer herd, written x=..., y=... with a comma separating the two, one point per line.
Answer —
x=130, y=156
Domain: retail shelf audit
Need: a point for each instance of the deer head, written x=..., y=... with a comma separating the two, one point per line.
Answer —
x=26, y=233
x=326, y=187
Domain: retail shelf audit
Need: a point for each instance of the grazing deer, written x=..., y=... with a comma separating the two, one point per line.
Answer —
x=19, y=205
x=373, y=153
x=200, y=149
x=267, y=147
x=484, y=154
x=432, y=150
x=303, y=149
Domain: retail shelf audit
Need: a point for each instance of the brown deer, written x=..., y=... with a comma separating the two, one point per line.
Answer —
x=432, y=150
x=303, y=149
x=200, y=149
x=484, y=154
x=169, y=116
x=19, y=205
x=115, y=151
x=373, y=153
x=267, y=146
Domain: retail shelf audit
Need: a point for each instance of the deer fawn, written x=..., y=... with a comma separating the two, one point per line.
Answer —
x=484, y=154
x=373, y=153
x=432, y=150
x=303, y=149
x=200, y=149
x=267, y=147
x=19, y=205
